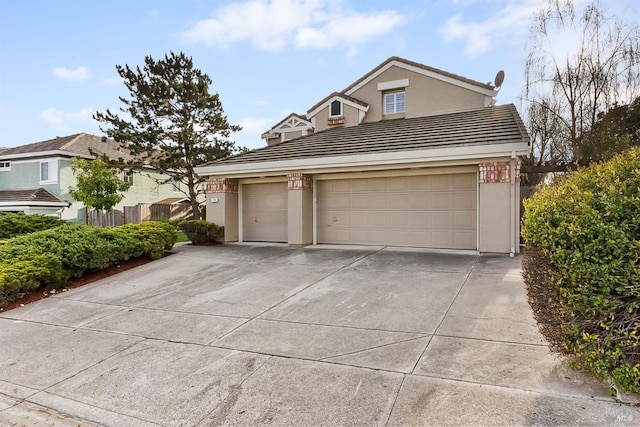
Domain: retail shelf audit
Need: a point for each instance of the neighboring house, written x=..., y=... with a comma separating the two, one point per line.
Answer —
x=35, y=178
x=407, y=155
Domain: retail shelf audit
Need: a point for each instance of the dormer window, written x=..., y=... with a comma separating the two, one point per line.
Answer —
x=336, y=109
x=394, y=102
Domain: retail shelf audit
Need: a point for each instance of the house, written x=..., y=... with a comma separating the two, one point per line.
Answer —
x=407, y=155
x=35, y=178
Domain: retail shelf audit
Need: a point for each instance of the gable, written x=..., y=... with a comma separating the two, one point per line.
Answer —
x=426, y=93
x=292, y=126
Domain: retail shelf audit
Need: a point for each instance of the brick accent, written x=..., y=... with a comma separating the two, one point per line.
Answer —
x=299, y=181
x=222, y=185
x=332, y=121
x=491, y=172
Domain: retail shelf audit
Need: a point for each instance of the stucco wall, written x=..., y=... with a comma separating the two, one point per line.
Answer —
x=494, y=231
x=350, y=114
x=424, y=95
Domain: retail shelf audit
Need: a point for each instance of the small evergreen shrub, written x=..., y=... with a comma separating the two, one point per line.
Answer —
x=582, y=267
x=16, y=224
x=27, y=273
x=52, y=257
x=201, y=231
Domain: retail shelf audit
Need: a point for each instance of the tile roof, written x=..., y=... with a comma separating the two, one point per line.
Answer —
x=80, y=144
x=39, y=195
x=491, y=125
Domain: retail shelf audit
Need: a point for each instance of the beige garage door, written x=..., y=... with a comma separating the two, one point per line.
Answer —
x=434, y=211
x=264, y=212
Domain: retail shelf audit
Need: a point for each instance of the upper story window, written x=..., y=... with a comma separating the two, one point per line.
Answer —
x=5, y=165
x=335, y=109
x=394, y=102
x=127, y=177
x=48, y=172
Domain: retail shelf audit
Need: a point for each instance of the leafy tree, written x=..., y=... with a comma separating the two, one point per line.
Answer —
x=570, y=88
x=175, y=124
x=97, y=185
x=615, y=131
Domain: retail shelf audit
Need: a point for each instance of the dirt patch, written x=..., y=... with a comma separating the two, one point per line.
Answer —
x=39, y=294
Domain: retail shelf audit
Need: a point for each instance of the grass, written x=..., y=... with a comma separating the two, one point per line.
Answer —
x=181, y=237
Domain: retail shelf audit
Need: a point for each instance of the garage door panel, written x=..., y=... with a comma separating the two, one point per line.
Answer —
x=464, y=182
x=464, y=201
x=264, y=212
x=399, y=201
x=423, y=211
x=464, y=221
x=442, y=201
x=464, y=239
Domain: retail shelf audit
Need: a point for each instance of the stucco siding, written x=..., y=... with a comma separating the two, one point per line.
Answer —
x=424, y=95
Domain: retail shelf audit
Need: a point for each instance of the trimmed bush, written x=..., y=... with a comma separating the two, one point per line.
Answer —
x=27, y=273
x=16, y=224
x=155, y=236
x=201, y=231
x=52, y=257
x=582, y=267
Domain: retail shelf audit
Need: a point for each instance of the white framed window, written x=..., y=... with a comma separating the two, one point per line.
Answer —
x=48, y=172
x=5, y=165
x=127, y=177
x=394, y=102
x=335, y=109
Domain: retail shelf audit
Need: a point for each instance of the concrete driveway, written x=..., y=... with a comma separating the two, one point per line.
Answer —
x=250, y=335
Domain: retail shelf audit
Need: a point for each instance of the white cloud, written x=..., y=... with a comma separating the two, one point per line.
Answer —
x=273, y=25
x=113, y=81
x=361, y=27
x=64, y=120
x=77, y=74
x=252, y=128
x=262, y=103
x=513, y=18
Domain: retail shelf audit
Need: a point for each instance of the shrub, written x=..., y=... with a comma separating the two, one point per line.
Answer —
x=201, y=231
x=582, y=267
x=52, y=257
x=155, y=237
x=27, y=273
x=15, y=224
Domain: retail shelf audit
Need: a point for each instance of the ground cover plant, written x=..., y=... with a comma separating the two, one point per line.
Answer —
x=51, y=258
x=15, y=224
x=582, y=267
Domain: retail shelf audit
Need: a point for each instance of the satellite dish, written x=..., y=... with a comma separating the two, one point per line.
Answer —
x=499, y=79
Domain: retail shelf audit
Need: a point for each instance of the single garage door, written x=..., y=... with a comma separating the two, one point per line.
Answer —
x=434, y=211
x=264, y=212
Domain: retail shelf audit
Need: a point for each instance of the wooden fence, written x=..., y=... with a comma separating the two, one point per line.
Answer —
x=140, y=213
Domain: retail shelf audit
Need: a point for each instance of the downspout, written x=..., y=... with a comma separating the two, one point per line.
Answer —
x=512, y=231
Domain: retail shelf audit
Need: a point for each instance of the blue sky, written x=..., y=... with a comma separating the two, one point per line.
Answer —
x=267, y=58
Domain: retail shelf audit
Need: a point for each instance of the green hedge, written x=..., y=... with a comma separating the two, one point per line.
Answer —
x=201, y=231
x=52, y=257
x=16, y=224
x=582, y=267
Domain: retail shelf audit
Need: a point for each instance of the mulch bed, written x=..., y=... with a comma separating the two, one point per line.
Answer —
x=39, y=294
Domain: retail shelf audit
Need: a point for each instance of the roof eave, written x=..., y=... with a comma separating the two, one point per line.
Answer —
x=38, y=204
x=36, y=154
x=463, y=155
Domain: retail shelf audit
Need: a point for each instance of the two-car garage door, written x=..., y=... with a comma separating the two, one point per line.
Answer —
x=434, y=211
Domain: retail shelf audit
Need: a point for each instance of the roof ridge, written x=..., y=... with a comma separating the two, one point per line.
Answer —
x=71, y=141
